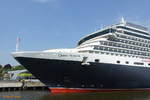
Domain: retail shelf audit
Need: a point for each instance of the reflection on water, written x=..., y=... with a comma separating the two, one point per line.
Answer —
x=100, y=96
x=23, y=95
x=45, y=95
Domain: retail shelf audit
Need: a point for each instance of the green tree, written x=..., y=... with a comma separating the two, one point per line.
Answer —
x=18, y=67
x=1, y=71
x=7, y=66
x=1, y=66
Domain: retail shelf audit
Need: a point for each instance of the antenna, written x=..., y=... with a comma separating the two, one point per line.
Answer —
x=122, y=20
x=17, y=44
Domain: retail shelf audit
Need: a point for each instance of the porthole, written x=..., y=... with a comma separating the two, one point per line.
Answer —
x=101, y=85
x=97, y=60
x=92, y=85
x=127, y=62
x=107, y=53
x=82, y=85
x=118, y=61
x=112, y=54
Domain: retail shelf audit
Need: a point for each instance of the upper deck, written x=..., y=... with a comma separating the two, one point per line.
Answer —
x=139, y=30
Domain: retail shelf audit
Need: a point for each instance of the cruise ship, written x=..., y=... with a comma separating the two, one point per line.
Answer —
x=114, y=58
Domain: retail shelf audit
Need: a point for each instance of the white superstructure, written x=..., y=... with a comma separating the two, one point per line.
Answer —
x=124, y=43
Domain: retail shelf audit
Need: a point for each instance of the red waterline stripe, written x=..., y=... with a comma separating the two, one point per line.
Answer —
x=74, y=90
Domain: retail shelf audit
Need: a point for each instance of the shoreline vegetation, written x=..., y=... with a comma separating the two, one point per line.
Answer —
x=7, y=68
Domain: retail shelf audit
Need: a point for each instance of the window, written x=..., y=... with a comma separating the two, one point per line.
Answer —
x=127, y=62
x=90, y=51
x=127, y=51
x=107, y=53
x=97, y=60
x=96, y=52
x=112, y=53
x=95, y=35
x=118, y=61
x=138, y=63
x=134, y=52
x=119, y=50
x=115, y=50
x=136, y=43
x=110, y=44
x=101, y=48
x=123, y=51
x=146, y=54
x=96, y=47
x=136, y=39
x=102, y=52
x=106, y=48
x=110, y=49
x=133, y=34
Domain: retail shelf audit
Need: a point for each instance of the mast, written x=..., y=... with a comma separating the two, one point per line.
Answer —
x=17, y=44
x=123, y=20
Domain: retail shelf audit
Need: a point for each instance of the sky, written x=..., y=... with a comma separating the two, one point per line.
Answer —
x=47, y=24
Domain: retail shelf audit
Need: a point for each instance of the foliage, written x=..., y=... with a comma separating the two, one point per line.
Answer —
x=19, y=67
x=25, y=74
x=1, y=66
x=7, y=66
x=4, y=69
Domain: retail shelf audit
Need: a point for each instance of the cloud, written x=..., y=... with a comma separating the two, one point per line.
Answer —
x=44, y=1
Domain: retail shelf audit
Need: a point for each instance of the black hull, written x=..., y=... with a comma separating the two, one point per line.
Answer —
x=71, y=74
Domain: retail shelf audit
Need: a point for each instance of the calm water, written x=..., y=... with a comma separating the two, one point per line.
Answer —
x=45, y=95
